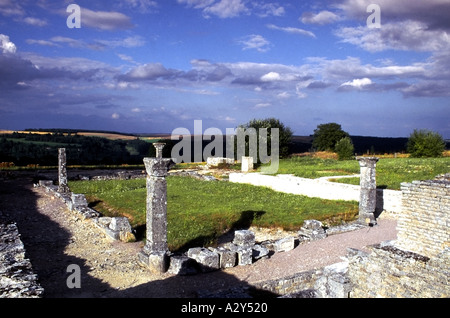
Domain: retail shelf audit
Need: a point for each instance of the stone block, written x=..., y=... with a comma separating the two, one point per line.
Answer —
x=247, y=164
x=208, y=260
x=79, y=200
x=157, y=262
x=312, y=225
x=183, y=265
x=227, y=258
x=259, y=252
x=120, y=224
x=245, y=255
x=45, y=183
x=244, y=238
x=284, y=245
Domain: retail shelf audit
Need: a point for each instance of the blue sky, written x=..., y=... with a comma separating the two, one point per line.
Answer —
x=151, y=66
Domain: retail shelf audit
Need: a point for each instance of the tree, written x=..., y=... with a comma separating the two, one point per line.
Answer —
x=345, y=149
x=327, y=135
x=285, y=133
x=424, y=143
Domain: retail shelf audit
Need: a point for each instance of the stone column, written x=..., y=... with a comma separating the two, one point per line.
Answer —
x=368, y=191
x=247, y=164
x=159, y=147
x=155, y=254
x=62, y=171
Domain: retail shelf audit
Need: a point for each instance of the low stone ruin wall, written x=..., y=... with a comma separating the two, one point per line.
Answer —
x=423, y=226
x=17, y=279
x=417, y=264
x=389, y=201
x=116, y=228
x=390, y=272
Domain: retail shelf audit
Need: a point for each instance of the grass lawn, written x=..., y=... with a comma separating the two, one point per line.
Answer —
x=390, y=171
x=200, y=211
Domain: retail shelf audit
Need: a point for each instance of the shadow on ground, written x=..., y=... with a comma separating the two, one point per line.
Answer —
x=45, y=242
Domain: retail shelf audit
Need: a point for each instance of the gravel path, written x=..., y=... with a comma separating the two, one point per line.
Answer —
x=54, y=238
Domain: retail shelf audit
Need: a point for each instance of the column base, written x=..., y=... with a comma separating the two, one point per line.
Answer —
x=157, y=262
x=367, y=219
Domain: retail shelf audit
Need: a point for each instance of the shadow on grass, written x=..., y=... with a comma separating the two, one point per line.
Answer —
x=45, y=241
x=244, y=222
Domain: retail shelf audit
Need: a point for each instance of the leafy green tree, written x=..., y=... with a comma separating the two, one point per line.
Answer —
x=285, y=133
x=345, y=149
x=424, y=143
x=327, y=135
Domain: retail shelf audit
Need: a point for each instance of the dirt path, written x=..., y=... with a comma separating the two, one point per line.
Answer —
x=55, y=238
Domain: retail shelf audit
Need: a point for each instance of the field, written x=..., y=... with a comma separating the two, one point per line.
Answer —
x=390, y=171
x=200, y=211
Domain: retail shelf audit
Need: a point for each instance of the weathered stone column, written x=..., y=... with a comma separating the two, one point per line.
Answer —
x=62, y=171
x=155, y=254
x=368, y=191
x=159, y=147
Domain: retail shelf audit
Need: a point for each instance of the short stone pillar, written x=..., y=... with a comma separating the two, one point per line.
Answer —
x=368, y=190
x=155, y=254
x=159, y=147
x=62, y=171
x=247, y=164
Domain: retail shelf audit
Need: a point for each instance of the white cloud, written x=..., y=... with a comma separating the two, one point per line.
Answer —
x=321, y=18
x=115, y=116
x=268, y=9
x=262, y=105
x=105, y=20
x=255, y=42
x=6, y=45
x=234, y=8
x=272, y=76
x=226, y=9
x=358, y=82
x=292, y=30
x=128, y=42
x=405, y=35
x=143, y=6
x=35, y=21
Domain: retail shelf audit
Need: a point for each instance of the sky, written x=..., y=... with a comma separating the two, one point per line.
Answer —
x=376, y=67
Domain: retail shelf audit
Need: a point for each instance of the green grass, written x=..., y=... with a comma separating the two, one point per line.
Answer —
x=200, y=211
x=308, y=167
x=390, y=171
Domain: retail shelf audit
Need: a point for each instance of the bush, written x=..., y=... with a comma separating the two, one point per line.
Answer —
x=425, y=144
x=345, y=149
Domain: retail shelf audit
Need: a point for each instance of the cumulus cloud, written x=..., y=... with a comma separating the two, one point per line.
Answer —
x=434, y=13
x=358, y=82
x=321, y=18
x=6, y=45
x=404, y=35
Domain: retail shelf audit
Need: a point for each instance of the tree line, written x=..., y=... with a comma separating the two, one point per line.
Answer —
x=42, y=149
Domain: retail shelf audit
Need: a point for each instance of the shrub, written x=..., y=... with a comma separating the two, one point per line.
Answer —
x=345, y=149
x=425, y=144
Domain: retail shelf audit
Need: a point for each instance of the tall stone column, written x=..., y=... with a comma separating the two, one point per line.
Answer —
x=155, y=254
x=159, y=147
x=62, y=171
x=368, y=191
